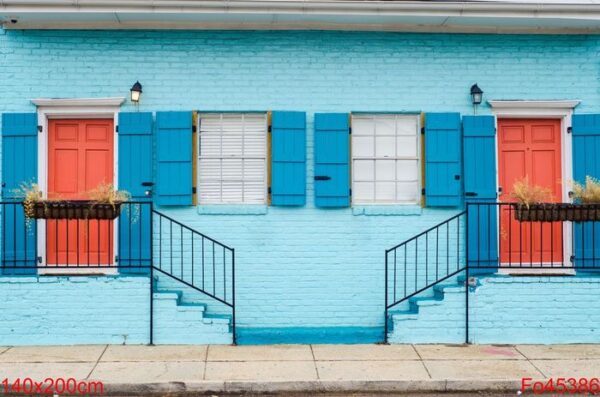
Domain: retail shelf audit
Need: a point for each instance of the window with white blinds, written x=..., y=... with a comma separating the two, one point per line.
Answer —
x=385, y=159
x=232, y=158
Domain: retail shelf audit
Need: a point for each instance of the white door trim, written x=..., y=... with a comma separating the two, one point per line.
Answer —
x=543, y=109
x=75, y=108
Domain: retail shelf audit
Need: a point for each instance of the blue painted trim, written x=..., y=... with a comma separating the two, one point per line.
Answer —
x=387, y=210
x=304, y=335
x=219, y=209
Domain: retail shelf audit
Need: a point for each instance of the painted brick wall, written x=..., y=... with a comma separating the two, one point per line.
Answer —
x=302, y=268
x=510, y=310
x=78, y=310
x=75, y=310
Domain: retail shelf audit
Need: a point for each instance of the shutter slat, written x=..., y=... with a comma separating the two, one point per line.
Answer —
x=586, y=162
x=288, y=159
x=135, y=168
x=174, y=158
x=332, y=153
x=19, y=166
x=443, y=160
x=479, y=154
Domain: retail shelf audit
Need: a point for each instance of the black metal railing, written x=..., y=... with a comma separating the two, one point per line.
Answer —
x=140, y=240
x=74, y=243
x=496, y=239
x=423, y=261
x=484, y=238
x=195, y=260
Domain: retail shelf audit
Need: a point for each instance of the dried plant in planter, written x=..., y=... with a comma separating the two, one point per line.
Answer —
x=106, y=194
x=533, y=203
x=104, y=203
x=588, y=193
x=527, y=194
x=32, y=195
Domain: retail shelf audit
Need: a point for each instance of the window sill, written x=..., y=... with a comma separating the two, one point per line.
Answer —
x=225, y=209
x=387, y=210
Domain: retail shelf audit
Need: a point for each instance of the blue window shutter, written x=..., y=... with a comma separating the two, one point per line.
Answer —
x=19, y=165
x=288, y=158
x=332, y=154
x=586, y=162
x=135, y=153
x=479, y=151
x=135, y=170
x=174, y=158
x=479, y=157
x=443, y=160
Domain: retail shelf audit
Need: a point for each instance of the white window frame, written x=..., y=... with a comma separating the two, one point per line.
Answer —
x=266, y=158
x=418, y=159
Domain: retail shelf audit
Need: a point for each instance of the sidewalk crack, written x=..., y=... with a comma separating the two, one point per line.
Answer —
x=422, y=361
x=530, y=362
x=5, y=350
x=314, y=362
x=97, y=361
x=205, y=362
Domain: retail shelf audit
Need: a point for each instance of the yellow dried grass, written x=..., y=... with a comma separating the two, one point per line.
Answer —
x=528, y=194
x=105, y=193
x=588, y=193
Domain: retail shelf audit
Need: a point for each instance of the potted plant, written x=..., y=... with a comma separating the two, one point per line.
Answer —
x=104, y=204
x=531, y=203
x=586, y=198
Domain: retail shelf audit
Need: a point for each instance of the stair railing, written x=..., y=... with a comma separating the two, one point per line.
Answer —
x=194, y=260
x=424, y=261
x=140, y=240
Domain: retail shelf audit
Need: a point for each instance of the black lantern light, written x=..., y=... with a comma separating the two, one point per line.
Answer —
x=136, y=92
x=476, y=94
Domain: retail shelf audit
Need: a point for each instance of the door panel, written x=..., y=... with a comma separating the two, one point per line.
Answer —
x=529, y=148
x=80, y=156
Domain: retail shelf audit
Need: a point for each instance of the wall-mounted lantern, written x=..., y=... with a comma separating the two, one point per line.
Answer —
x=476, y=96
x=136, y=92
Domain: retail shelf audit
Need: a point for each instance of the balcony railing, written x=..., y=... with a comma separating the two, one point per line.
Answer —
x=496, y=239
x=75, y=243
x=140, y=240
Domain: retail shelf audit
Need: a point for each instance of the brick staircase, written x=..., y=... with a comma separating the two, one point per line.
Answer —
x=421, y=317
x=178, y=321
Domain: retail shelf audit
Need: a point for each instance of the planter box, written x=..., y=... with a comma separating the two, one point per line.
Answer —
x=557, y=212
x=75, y=210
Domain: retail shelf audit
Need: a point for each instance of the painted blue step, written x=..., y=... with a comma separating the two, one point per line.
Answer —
x=403, y=324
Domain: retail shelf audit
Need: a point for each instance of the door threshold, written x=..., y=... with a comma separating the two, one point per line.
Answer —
x=569, y=271
x=82, y=271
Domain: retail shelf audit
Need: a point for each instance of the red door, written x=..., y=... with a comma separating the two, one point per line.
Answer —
x=529, y=148
x=80, y=156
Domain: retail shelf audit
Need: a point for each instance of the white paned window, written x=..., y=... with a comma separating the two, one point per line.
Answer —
x=232, y=158
x=385, y=159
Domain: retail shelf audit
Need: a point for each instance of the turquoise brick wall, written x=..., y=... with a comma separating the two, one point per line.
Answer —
x=52, y=310
x=311, y=273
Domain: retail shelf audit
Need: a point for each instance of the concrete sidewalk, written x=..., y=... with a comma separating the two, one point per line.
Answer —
x=146, y=370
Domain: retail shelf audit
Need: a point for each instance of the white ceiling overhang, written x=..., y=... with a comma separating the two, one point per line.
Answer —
x=501, y=16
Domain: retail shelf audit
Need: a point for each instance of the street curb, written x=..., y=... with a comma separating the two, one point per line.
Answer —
x=315, y=387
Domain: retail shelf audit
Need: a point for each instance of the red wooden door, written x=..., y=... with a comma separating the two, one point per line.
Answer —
x=529, y=148
x=80, y=156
